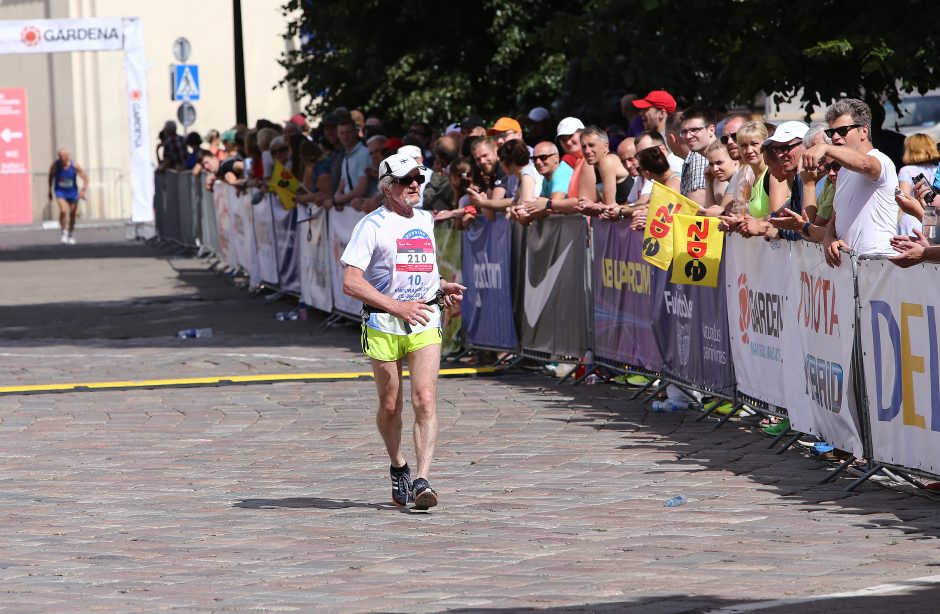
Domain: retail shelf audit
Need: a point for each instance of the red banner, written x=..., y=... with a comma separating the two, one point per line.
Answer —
x=16, y=203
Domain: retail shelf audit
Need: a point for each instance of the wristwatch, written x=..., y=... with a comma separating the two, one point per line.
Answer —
x=548, y=205
x=806, y=227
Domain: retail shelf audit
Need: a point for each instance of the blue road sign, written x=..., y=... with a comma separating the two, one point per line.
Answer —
x=186, y=82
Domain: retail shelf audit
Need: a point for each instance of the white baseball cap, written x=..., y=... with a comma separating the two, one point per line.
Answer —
x=539, y=114
x=786, y=132
x=453, y=129
x=398, y=165
x=412, y=151
x=569, y=125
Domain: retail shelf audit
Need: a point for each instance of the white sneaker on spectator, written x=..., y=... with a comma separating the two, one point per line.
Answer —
x=71, y=239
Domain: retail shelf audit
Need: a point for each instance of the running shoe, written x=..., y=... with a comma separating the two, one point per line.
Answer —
x=401, y=484
x=424, y=496
x=781, y=427
x=65, y=238
x=71, y=239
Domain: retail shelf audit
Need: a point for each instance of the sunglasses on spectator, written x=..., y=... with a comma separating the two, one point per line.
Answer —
x=407, y=179
x=543, y=157
x=691, y=131
x=728, y=138
x=779, y=150
x=841, y=130
x=833, y=166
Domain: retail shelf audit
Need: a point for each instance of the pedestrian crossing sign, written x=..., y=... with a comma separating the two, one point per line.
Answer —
x=185, y=82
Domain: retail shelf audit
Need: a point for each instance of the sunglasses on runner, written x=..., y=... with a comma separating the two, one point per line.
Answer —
x=407, y=179
x=841, y=130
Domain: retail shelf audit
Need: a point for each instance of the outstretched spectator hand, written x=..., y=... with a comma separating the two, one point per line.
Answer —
x=910, y=249
x=788, y=219
x=587, y=207
x=834, y=249
x=730, y=223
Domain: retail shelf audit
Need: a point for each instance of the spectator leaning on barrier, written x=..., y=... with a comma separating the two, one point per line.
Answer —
x=514, y=158
x=698, y=132
x=784, y=152
x=920, y=158
x=353, y=181
x=230, y=170
x=564, y=199
x=491, y=194
x=865, y=213
x=646, y=140
x=556, y=176
x=720, y=172
x=615, y=181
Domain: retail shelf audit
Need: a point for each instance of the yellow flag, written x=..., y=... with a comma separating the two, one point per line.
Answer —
x=284, y=184
x=657, y=238
x=698, y=246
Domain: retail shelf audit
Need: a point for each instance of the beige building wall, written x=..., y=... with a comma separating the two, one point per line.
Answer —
x=77, y=100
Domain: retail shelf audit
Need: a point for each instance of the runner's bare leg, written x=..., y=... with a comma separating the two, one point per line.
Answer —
x=388, y=381
x=424, y=365
x=73, y=211
x=63, y=214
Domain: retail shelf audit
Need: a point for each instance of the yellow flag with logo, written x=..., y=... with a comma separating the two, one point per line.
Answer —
x=698, y=246
x=284, y=184
x=657, y=237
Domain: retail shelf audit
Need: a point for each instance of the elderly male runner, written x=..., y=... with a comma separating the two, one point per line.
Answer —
x=391, y=266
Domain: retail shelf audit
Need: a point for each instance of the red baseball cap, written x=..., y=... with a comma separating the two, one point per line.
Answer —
x=661, y=99
x=392, y=144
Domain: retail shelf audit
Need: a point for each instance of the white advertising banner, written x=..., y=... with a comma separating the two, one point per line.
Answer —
x=901, y=352
x=223, y=221
x=316, y=288
x=100, y=34
x=757, y=299
x=243, y=234
x=265, y=247
x=341, y=225
x=820, y=324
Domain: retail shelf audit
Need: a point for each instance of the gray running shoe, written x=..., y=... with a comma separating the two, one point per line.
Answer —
x=424, y=496
x=401, y=484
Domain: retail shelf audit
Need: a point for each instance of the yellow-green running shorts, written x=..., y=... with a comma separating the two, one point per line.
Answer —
x=390, y=348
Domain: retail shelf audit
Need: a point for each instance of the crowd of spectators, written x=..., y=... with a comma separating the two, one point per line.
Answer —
x=825, y=182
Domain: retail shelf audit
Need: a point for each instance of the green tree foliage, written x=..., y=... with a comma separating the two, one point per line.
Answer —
x=437, y=61
x=431, y=61
x=722, y=52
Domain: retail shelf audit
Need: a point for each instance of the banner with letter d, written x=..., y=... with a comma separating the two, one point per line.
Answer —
x=697, y=250
x=657, y=237
x=902, y=362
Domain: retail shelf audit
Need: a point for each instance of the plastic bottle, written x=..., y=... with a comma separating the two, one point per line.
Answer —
x=675, y=501
x=193, y=333
x=930, y=224
x=592, y=379
x=669, y=405
x=302, y=311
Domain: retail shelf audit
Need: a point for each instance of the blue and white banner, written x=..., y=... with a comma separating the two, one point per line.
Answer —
x=316, y=288
x=757, y=298
x=817, y=350
x=901, y=349
x=285, y=245
x=487, y=304
x=341, y=226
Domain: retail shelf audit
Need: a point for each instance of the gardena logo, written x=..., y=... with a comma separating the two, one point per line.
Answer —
x=30, y=36
x=136, y=95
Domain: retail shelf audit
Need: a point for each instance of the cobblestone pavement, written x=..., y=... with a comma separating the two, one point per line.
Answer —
x=275, y=497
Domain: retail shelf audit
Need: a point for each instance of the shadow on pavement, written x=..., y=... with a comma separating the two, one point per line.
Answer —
x=312, y=502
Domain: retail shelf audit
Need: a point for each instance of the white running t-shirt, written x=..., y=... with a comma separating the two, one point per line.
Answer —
x=399, y=258
x=866, y=212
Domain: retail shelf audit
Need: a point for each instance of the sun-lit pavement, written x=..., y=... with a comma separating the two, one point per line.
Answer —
x=274, y=497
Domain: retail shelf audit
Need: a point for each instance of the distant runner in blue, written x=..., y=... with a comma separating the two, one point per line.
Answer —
x=62, y=183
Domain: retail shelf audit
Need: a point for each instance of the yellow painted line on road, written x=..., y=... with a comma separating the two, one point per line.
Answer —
x=224, y=379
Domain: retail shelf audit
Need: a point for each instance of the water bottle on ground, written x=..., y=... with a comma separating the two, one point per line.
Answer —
x=930, y=224
x=194, y=333
x=592, y=379
x=669, y=405
x=675, y=501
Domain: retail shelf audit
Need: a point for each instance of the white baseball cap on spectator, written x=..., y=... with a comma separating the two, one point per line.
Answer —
x=453, y=129
x=569, y=126
x=786, y=132
x=539, y=114
x=398, y=165
x=412, y=151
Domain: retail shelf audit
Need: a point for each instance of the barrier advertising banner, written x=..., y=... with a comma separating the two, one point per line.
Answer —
x=556, y=291
x=697, y=250
x=265, y=247
x=756, y=296
x=817, y=350
x=341, y=225
x=658, y=241
x=15, y=184
x=447, y=240
x=315, y=287
x=486, y=310
x=623, y=284
x=243, y=233
x=898, y=320
x=691, y=328
x=286, y=247
x=223, y=223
